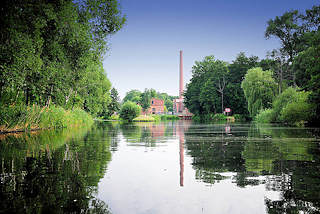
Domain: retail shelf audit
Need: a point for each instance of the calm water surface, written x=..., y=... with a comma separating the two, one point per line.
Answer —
x=173, y=167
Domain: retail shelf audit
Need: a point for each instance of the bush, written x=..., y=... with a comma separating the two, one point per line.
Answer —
x=240, y=117
x=264, y=116
x=219, y=117
x=283, y=99
x=169, y=117
x=209, y=117
x=129, y=111
x=297, y=113
x=292, y=107
x=114, y=117
x=156, y=117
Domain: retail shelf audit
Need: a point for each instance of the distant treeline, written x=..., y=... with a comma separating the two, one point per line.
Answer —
x=283, y=87
x=144, y=98
x=51, y=52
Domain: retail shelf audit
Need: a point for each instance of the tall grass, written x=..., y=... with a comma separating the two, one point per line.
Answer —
x=19, y=118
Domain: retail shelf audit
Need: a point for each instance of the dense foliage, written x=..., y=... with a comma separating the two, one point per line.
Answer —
x=245, y=88
x=291, y=107
x=300, y=46
x=216, y=85
x=259, y=88
x=52, y=51
x=205, y=92
x=129, y=111
x=114, y=105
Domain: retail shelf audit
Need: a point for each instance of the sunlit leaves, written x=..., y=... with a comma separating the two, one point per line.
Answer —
x=259, y=89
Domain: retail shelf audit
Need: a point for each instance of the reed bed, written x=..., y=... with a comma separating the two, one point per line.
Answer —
x=22, y=118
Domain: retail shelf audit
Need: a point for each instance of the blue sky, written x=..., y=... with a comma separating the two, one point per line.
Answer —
x=145, y=53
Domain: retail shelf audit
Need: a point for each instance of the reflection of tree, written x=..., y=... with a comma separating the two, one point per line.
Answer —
x=286, y=160
x=131, y=131
x=213, y=153
x=259, y=156
x=294, y=166
x=146, y=133
x=58, y=179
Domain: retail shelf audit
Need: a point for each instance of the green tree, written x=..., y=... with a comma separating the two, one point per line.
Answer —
x=307, y=66
x=288, y=30
x=259, y=89
x=52, y=52
x=146, y=98
x=133, y=96
x=234, y=94
x=114, y=105
x=209, y=79
x=280, y=66
x=129, y=111
x=169, y=105
x=137, y=97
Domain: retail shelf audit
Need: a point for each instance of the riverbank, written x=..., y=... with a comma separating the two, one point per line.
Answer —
x=29, y=118
x=147, y=118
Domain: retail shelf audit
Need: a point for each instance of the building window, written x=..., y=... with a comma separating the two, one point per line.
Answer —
x=152, y=102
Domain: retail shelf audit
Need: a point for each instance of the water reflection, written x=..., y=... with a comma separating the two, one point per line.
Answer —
x=153, y=134
x=160, y=168
x=53, y=171
x=283, y=159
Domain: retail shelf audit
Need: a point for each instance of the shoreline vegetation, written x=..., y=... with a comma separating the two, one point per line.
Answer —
x=145, y=118
x=51, y=69
x=282, y=88
x=155, y=118
x=31, y=118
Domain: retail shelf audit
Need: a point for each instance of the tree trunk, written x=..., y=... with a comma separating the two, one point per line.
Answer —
x=220, y=90
x=222, y=101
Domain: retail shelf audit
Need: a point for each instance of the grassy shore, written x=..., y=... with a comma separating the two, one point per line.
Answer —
x=22, y=118
x=153, y=118
x=148, y=118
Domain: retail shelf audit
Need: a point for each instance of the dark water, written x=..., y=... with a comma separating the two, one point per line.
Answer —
x=174, y=167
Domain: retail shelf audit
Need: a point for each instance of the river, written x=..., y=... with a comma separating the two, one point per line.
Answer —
x=171, y=167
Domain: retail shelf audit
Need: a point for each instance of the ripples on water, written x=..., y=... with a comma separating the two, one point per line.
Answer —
x=174, y=167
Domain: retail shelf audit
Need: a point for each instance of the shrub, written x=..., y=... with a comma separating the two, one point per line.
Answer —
x=169, y=117
x=114, y=117
x=264, y=116
x=298, y=112
x=292, y=107
x=219, y=117
x=156, y=117
x=283, y=99
x=240, y=117
x=129, y=111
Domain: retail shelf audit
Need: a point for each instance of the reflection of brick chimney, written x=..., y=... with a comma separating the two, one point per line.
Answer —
x=181, y=153
x=181, y=76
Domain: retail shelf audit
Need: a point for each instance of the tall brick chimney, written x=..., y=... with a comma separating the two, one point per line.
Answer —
x=181, y=77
